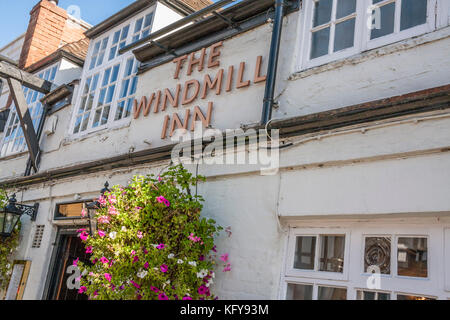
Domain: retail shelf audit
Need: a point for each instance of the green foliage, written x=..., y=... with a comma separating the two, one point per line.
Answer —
x=7, y=248
x=151, y=242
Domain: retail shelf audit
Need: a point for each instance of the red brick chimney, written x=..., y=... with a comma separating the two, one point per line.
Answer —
x=50, y=28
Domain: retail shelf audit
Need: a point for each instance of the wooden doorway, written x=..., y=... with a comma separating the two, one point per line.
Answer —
x=68, y=247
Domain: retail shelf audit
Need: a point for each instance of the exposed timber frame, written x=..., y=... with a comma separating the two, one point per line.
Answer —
x=16, y=79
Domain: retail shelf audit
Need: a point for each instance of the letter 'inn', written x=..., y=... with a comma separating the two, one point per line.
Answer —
x=322, y=128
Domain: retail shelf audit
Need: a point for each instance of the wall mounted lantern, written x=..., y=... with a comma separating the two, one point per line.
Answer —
x=92, y=209
x=11, y=213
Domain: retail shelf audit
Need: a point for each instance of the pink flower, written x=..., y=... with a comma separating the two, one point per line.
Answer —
x=84, y=236
x=108, y=277
x=154, y=289
x=161, y=246
x=187, y=298
x=133, y=252
x=75, y=262
x=103, y=220
x=162, y=296
x=194, y=238
x=159, y=179
x=201, y=258
x=104, y=260
x=83, y=289
x=102, y=201
x=101, y=233
x=164, y=268
x=112, y=211
x=224, y=257
x=203, y=290
x=146, y=265
x=135, y=259
x=83, y=213
x=81, y=230
x=139, y=235
x=135, y=284
x=89, y=249
x=227, y=268
x=112, y=199
x=161, y=199
x=214, y=248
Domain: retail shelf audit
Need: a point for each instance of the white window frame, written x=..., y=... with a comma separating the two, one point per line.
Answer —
x=437, y=17
x=315, y=274
x=122, y=59
x=400, y=35
x=32, y=105
x=432, y=286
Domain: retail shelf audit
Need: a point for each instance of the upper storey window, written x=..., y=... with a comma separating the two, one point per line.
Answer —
x=13, y=140
x=336, y=29
x=142, y=27
x=99, y=53
x=109, y=83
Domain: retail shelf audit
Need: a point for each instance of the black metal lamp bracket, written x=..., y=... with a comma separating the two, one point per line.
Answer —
x=29, y=210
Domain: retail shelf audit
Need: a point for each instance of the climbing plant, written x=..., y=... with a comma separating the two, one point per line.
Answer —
x=8, y=247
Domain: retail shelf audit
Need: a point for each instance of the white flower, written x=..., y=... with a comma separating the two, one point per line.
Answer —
x=210, y=282
x=113, y=235
x=154, y=245
x=171, y=256
x=192, y=263
x=168, y=281
x=142, y=274
x=124, y=229
x=180, y=261
x=203, y=273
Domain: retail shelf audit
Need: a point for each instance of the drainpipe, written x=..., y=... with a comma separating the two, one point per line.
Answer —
x=273, y=63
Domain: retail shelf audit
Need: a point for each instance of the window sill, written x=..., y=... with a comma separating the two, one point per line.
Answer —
x=373, y=53
x=97, y=132
x=14, y=156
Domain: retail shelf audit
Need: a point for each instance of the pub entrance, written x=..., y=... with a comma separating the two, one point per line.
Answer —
x=60, y=284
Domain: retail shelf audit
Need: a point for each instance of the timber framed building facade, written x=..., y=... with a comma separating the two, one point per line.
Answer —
x=361, y=99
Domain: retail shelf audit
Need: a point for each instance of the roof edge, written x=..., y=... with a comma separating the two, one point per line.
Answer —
x=119, y=17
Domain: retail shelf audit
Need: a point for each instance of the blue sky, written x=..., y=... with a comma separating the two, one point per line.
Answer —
x=15, y=14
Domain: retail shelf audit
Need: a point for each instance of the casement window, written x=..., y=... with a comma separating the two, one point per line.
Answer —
x=142, y=27
x=336, y=29
x=110, y=82
x=13, y=139
x=98, y=54
x=105, y=98
x=119, y=41
x=127, y=91
x=339, y=264
x=87, y=101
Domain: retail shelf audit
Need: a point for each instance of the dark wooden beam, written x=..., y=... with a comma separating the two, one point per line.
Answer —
x=25, y=119
x=29, y=80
